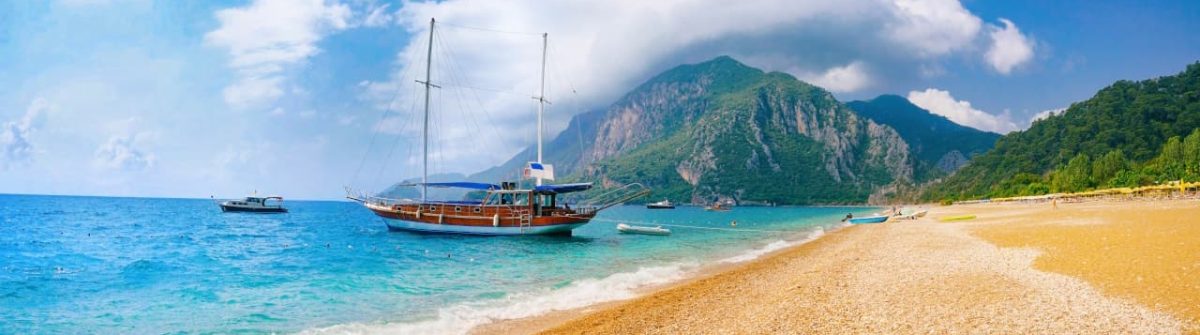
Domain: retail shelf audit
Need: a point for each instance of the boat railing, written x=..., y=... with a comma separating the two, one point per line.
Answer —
x=612, y=197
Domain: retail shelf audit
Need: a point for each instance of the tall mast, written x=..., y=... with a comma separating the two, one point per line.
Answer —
x=541, y=106
x=425, y=130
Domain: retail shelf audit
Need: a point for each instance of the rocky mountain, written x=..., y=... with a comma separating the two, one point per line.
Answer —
x=1128, y=134
x=939, y=145
x=723, y=130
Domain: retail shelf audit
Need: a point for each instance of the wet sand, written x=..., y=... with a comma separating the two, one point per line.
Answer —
x=1097, y=267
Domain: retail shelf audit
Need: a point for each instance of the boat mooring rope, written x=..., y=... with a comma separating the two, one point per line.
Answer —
x=692, y=227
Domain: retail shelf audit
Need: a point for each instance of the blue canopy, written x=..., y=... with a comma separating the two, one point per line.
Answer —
x=463, y=184
x=563, y=188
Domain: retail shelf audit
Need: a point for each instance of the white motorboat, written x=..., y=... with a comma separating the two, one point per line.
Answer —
x=630, y=229
x=254, y=204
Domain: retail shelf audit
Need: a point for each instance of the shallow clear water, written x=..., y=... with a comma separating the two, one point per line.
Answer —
x=133, y=265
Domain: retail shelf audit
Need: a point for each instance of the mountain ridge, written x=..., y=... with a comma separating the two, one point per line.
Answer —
x=936, y=141
x=1130, y=133
x=723, y=130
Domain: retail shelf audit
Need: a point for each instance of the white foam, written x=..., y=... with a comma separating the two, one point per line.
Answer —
x=460, y=319
x=753, y=254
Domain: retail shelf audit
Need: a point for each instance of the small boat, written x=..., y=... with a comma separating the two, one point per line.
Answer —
x=254, y=204
x=956, y=218
x=628, y=229
x=665, y=204
x=717, y=207
x=912, y=216
x=869, y=219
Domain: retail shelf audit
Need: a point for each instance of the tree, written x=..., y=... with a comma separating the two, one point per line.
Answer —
x=1172, y=151
x=1191, y=154
x=1171, y=160
x=1107, y=166
x=1074, y=177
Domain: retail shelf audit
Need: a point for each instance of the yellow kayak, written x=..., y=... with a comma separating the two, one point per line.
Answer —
x=956, y=218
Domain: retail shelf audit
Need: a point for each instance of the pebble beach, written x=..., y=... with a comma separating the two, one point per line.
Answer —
x=1106, y=266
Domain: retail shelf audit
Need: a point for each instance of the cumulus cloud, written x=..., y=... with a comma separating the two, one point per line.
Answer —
x=1009, y=48
x=886, y=41
x=849, y=78
x=121, y=152
x=15, y=146
x=267, y=36
x=1046, y=113
x=960, y=111
x=933, y=27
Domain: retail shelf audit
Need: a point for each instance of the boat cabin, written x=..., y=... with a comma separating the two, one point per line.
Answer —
x=255, y=201
x=540, y=200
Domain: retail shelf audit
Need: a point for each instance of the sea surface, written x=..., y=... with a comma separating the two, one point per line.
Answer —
x=141, y=265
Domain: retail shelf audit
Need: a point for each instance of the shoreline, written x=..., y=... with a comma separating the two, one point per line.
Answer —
x=882, y=278
x=545, y=321
x=522, y=311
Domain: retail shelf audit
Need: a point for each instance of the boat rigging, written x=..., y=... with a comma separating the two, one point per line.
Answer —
x=506, y=208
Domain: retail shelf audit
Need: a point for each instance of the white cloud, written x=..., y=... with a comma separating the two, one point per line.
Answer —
x=378, y=16
x=121, y=152
x=1009, y=48
x=1046, y=113
x=960, y=111
x=849, y=78
x=15, y=146
x=933, y=27
x=253, y=90
x=266, y=37
x=889, y=40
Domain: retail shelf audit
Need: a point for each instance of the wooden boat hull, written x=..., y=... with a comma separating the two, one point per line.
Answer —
x=423, y=227
x=868, y=220
x=463, y=219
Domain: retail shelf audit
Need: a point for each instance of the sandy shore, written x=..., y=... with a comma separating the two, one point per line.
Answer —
x=1097, y=267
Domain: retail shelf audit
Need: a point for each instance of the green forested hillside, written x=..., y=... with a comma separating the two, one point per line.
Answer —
x=939, y=145
x=753, y=136
x=723, y=130
x=1128, y=134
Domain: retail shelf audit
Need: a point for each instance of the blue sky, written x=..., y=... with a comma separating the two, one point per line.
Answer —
x=191, y=99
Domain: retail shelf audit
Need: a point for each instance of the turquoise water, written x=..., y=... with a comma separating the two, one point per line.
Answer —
x=134, y=265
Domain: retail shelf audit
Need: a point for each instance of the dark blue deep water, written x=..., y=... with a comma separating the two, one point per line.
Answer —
x=138, y=265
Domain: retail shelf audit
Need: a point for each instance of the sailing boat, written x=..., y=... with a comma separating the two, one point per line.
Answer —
x=506, y=208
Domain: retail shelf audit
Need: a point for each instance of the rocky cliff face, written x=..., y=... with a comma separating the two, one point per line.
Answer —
x=722, y=130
